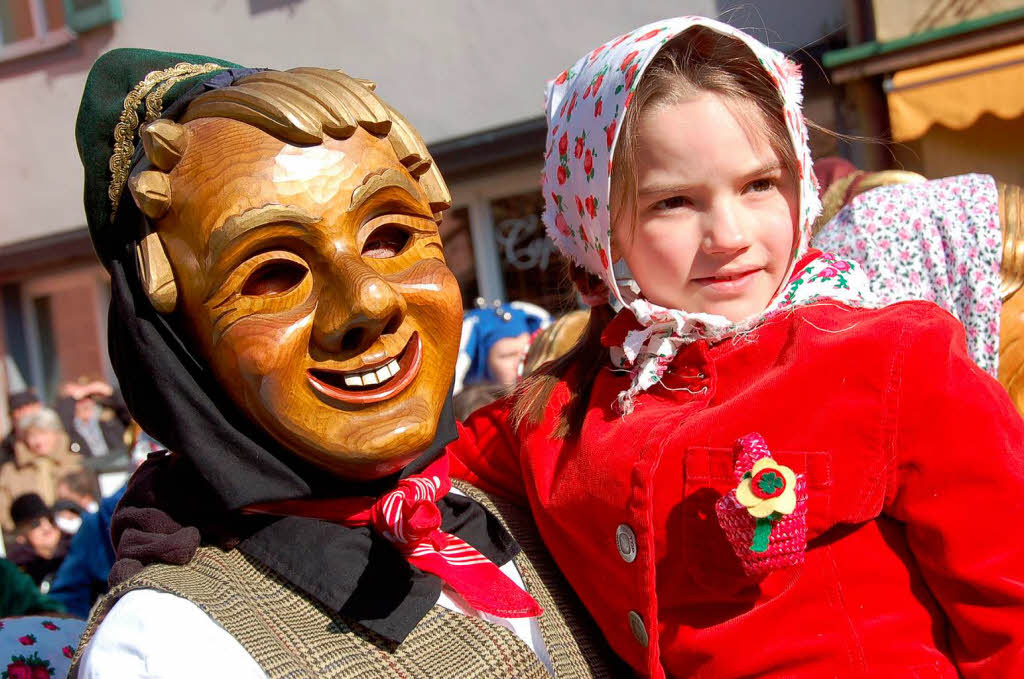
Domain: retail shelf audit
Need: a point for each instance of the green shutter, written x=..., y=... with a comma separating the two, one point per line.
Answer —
x=83, y=15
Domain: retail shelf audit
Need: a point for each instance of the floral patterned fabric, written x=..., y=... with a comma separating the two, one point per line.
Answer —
x=38, y=647
x=940, y=241
x=585, y=107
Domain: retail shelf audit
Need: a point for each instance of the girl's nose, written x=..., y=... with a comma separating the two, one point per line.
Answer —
x=355, y=307
x=725, y=231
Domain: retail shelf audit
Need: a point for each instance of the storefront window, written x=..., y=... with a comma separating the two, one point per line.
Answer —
x=458, y=252
x=532, y=268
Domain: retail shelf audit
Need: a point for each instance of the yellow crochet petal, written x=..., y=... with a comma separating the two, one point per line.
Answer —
x=761, y=464
x=789, y=475
x=764, y=509
x=745, y=496
x=786, y=503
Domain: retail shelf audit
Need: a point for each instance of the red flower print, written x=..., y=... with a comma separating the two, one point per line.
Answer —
x=828, y=272
x=630, y=74
x=629, y=98
x=648, y=35
x=554, y=131
x=597, y=82
x=841, y=265
x=579, y=206
x=50, y=626
x=604, y=259
x=572, y=105
x=628, y=60
x=790, y=69
x=591, y=205
x=586, y=92
x=40, y=672
x=588, y=162
x=562, y=225
x=563, y=144
x=561, y=77
x=19, y=670
x=578, y=151
x=27, y=640
x=593, y=55
x=562, y=174
x=68, y=652
x=610, y=132
x=598, y=107
x=621, y=39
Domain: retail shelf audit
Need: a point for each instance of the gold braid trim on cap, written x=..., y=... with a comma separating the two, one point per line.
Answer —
x=124, y=131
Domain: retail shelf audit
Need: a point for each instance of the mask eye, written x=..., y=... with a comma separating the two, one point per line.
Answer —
x=274, y=278
x=387, y=241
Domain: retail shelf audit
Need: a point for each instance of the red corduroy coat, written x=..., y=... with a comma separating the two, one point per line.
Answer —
x=913, y=456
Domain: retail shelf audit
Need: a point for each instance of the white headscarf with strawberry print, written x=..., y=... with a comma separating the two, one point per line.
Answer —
x=585, y=108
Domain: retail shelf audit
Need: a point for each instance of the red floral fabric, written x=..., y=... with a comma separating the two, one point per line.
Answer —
x=36, y=647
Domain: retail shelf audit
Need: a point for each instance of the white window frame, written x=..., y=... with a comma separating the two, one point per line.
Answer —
x=43, y=37
x=475, y=195
x=49, y=284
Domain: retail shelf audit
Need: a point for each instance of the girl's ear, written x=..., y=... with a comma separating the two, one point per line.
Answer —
x=592, y=289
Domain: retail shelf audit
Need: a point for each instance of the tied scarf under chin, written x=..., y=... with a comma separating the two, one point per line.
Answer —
x=408, y=517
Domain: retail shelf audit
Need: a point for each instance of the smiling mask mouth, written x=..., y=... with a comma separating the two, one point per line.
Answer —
x=372, y=383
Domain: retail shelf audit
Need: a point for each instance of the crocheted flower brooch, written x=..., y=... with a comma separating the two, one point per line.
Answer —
x=765, y=516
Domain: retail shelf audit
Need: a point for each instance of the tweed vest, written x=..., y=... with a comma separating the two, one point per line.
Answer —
x=291, y=636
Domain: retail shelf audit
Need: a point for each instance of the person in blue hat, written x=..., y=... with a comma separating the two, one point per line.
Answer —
x=495, y=339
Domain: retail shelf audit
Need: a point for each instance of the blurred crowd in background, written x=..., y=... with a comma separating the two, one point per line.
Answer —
x=63, y=467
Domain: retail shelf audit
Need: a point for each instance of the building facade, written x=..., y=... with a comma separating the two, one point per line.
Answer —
x=941, y=80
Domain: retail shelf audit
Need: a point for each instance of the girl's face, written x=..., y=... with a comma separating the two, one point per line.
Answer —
x=716, y=210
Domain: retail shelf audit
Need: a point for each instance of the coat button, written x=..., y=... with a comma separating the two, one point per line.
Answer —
x=625, y=540
x=636, y=623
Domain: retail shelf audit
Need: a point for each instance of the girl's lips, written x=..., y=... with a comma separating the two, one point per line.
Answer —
x=729, y=283
x=332, y=383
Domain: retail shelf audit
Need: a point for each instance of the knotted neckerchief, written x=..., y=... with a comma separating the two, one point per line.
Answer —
x=409, y=519
x=585, y=108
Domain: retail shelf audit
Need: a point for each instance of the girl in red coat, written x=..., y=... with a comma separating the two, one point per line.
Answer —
x=755, y=468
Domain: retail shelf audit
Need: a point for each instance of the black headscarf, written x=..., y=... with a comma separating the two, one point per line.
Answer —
x=176, y=399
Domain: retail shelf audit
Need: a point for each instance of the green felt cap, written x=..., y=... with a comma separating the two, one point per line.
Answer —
x=126, y=89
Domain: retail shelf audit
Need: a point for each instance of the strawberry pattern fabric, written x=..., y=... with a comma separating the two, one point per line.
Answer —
x=37, y=647
x=585, y=107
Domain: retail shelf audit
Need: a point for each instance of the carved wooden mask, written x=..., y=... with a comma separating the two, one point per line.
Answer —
x=312, y=280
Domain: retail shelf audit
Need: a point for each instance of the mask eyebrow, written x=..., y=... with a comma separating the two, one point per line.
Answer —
x=236, y=225
x=378, y=181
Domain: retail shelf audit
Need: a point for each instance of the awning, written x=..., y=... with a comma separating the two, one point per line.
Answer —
x=956, y=92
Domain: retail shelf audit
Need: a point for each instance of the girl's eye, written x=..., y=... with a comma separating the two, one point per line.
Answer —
x=385, y=242
x=672, y=203
x=274, y=278
x=760, y=185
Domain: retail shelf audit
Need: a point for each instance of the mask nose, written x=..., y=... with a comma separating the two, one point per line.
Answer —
x=355, y=308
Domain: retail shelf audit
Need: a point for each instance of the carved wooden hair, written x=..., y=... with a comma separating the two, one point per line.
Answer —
x=300, y=107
